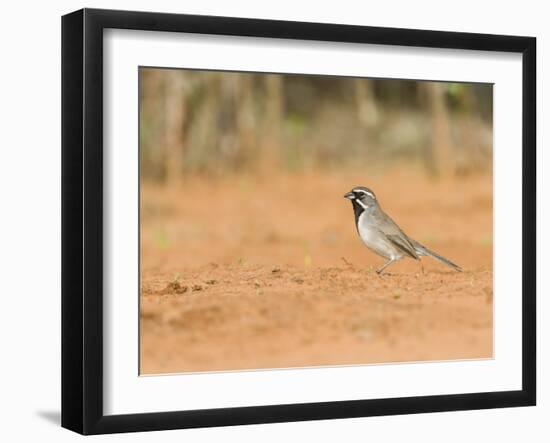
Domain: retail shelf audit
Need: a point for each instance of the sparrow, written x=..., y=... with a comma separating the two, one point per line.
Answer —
x=382, y=235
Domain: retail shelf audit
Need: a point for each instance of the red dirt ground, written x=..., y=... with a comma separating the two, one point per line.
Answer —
x=246, y=273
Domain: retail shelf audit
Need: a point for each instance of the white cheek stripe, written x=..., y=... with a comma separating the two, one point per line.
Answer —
x=363, y=205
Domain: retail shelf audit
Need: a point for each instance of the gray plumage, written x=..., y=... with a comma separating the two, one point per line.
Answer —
x=382, y=235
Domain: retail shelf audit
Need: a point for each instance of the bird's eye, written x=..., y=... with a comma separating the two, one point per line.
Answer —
x=365, y=194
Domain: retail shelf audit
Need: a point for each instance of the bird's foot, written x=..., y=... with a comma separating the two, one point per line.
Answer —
x=382, y=273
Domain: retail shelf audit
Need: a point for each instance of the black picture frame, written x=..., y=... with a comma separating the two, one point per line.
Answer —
x=82, y=220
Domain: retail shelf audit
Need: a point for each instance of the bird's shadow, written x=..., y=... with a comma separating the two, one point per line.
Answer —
x=53, y=417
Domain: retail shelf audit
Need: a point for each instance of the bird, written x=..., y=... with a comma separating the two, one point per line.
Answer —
x=382, y=235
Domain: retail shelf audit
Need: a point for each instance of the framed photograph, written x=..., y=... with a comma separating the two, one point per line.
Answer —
x=268, y=221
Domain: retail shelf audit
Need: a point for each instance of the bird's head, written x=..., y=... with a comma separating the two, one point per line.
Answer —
x=362, y=196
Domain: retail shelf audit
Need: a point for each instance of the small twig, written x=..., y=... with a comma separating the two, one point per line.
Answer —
x=347, y=262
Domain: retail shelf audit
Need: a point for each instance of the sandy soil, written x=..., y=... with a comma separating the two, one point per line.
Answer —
x=248, y=273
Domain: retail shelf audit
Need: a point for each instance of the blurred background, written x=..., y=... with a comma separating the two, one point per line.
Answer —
x=217, y=123
x=249, y=254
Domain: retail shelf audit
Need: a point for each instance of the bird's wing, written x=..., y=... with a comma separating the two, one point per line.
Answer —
x=403, y=243
x=394, y=234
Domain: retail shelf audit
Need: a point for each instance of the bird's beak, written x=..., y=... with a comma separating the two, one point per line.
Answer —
x=350, y=195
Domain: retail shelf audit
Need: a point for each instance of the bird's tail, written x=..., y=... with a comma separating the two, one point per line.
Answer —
x=422, y=250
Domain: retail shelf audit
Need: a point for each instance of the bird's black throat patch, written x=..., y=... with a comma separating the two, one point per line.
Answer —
x=357, y=210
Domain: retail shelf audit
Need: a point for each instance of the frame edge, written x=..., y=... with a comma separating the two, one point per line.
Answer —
x=72, y=221
x=81, y=223
x=529, y=220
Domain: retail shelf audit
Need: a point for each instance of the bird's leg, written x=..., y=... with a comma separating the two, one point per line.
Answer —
x=381, y=269
x=422, y=266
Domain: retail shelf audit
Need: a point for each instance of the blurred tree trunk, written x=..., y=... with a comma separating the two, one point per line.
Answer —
x=273, y=120
x=470, y=155
x=367, y=111
x=246, y=121
x=175, y=110
x=205, y=154
x=441, y=146
x=151, y=89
